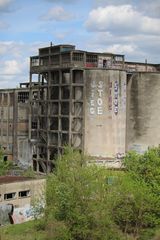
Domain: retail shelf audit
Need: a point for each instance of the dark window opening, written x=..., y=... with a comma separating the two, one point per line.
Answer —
x=66, y=58
x=65, y=124
x=65, y=92
x=54, y=124
x=55, y=93
x=34, y=125
x=65, y=139
x=34, y=165
x=8, y=196
x=53, y=139
x=54, y=60
x=44, y=61
x=65, y=108
x=23, y=194
x=54, y=109
x=53, y=153
x=23, y=97
x=5, y=158
x=42, y=167
x=55, y=77
x=78, y=57
x=104, y=63
x=91, y=58
x=43, y=123
x=77, y=76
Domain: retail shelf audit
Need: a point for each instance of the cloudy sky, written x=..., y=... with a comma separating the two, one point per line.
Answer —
x=130, y=27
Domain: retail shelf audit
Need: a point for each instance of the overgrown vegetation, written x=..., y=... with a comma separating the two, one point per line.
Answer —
x=87, y=202
x=5, y=166
x=29, y=173
x=25, y=231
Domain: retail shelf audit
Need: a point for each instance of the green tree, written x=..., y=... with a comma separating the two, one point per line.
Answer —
x=76, y=197
x=137, y=204
x=88, y=202
x=145, y=167
x=4, y=166
x=135, y=208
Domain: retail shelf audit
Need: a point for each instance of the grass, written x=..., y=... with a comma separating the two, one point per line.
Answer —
x=24, y=231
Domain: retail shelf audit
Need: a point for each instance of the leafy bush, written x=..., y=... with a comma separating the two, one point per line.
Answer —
x=92, y=203
x=77, y=197
x=4, y=166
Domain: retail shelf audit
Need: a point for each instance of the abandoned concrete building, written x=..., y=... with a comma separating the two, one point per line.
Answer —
x=14, y=110
x=96, y=102
x=19, y=194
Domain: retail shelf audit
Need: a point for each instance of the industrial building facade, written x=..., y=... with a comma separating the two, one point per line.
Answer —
x=95, y=102
x=86, y=100
x=14, y=112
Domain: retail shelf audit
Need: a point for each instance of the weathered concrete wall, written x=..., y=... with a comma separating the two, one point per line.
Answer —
x=24, y=152
x=14, y=126
x=105, y=113
x=35, y=186
x=143, y=108
x=140, y=67
x=20, y=206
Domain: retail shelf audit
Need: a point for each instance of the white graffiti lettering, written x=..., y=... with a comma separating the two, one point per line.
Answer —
x=96, y=101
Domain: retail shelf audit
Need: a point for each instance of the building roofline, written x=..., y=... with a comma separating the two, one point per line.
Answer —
x=143, y=63
x=12, y=179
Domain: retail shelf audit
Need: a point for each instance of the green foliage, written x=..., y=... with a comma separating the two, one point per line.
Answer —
x=93, y=203
x=24, y=231
x=29, y=173
x=135, y=208
x=4, y=166
x=145, y=167
x=88, y=202
x=77, y=197
x=57, y=230
x=143, y=172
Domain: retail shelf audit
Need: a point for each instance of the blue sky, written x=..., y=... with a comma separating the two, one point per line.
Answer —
x=119, y=26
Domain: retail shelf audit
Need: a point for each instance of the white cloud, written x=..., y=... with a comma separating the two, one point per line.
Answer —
x=15, y=49
x=57, y=14
x=149, y=7
x=122, y=48
x=136, y=47
x=121, y=19
x=12, y=72
x=11, y=67
x=14, y=62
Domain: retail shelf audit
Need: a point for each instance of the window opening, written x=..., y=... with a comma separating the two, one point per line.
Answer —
x=8, y=196
x=23, y=194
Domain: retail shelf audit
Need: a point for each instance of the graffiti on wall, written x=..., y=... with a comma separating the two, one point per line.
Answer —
x=23, y=214
x=110, y=97
x=120, y=155
x=96, y=98
x=116, y=97
x=123, y=98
